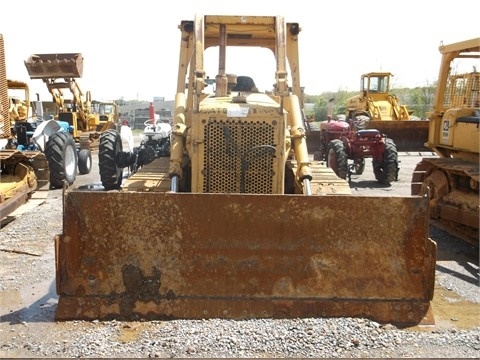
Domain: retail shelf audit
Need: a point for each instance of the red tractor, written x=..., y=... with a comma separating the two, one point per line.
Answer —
x=341, y=141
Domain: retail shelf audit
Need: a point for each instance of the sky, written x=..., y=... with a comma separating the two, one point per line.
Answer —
x=131, y=48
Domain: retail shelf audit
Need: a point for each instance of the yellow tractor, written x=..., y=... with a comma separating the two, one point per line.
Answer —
x=238, y=222
x=22, y=171
x=452, y=178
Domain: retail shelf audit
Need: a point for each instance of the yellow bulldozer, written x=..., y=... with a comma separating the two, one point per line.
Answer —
x=22, y=171
x=451, y=179
x=237, y=222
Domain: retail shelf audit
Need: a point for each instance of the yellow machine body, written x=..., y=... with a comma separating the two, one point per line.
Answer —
x=452, y=179
x=21, y=172
x=238, y=222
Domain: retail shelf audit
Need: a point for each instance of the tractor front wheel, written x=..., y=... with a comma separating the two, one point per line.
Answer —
x=359, y=166
x=84, y=161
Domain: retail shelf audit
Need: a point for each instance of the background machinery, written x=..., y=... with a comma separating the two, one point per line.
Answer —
x=32, y=132
x=22, y=171
x=345, y=146
x=386, y=114
x=379, y=109
x=452, y=178
x=82, y=118
x=238, y=222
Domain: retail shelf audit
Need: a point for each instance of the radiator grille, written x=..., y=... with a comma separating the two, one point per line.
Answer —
x=239, y=157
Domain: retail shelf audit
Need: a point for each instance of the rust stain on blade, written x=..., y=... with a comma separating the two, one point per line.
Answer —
x=130, y=255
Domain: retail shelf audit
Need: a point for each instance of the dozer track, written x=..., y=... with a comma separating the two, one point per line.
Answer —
x=170, y=255
x=24, y=180
x=454, y=205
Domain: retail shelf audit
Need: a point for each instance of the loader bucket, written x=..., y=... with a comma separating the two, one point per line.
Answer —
x=150, y=255
x=46, y=66
x=408, y=135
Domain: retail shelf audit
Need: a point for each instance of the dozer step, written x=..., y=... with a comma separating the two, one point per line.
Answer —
x=151, y=177
x=326, y=182
x=154, y=177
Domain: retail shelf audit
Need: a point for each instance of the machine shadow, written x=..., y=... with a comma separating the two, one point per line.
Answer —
x=42, y=310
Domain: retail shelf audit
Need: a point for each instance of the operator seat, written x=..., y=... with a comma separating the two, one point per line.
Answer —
x=245, y=83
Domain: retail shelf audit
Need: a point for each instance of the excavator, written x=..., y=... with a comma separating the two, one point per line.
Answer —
x=238, y=222
x=451, y=179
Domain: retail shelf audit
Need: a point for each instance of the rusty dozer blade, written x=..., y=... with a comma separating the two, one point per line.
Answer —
x=151, y=255
x=47, y=66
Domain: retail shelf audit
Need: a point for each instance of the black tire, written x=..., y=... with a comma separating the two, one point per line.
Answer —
x=61, y=155
x=387, y=171
x=337, y=158
x=359, y=166
x=109, y=149
x=84, y=161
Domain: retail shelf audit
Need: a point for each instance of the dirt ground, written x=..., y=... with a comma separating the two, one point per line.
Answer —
x=27, y=276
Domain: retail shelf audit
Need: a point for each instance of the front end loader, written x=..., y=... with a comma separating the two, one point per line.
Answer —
x=386, y=114
x=238, y=222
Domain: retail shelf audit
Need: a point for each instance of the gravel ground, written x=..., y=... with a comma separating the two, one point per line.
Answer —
x=28, y=302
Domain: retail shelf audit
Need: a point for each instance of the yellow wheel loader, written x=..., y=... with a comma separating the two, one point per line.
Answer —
x=384, y=112
x=81, y=117
x=24, y=173
x=238, y=222
x=451, y=179
x=377, y=108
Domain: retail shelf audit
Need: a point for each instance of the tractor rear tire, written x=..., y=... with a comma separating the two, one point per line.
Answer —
x=109, y=150
x=84, y=161
x=61, y=155
x=337, y=158
x=386, y=172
